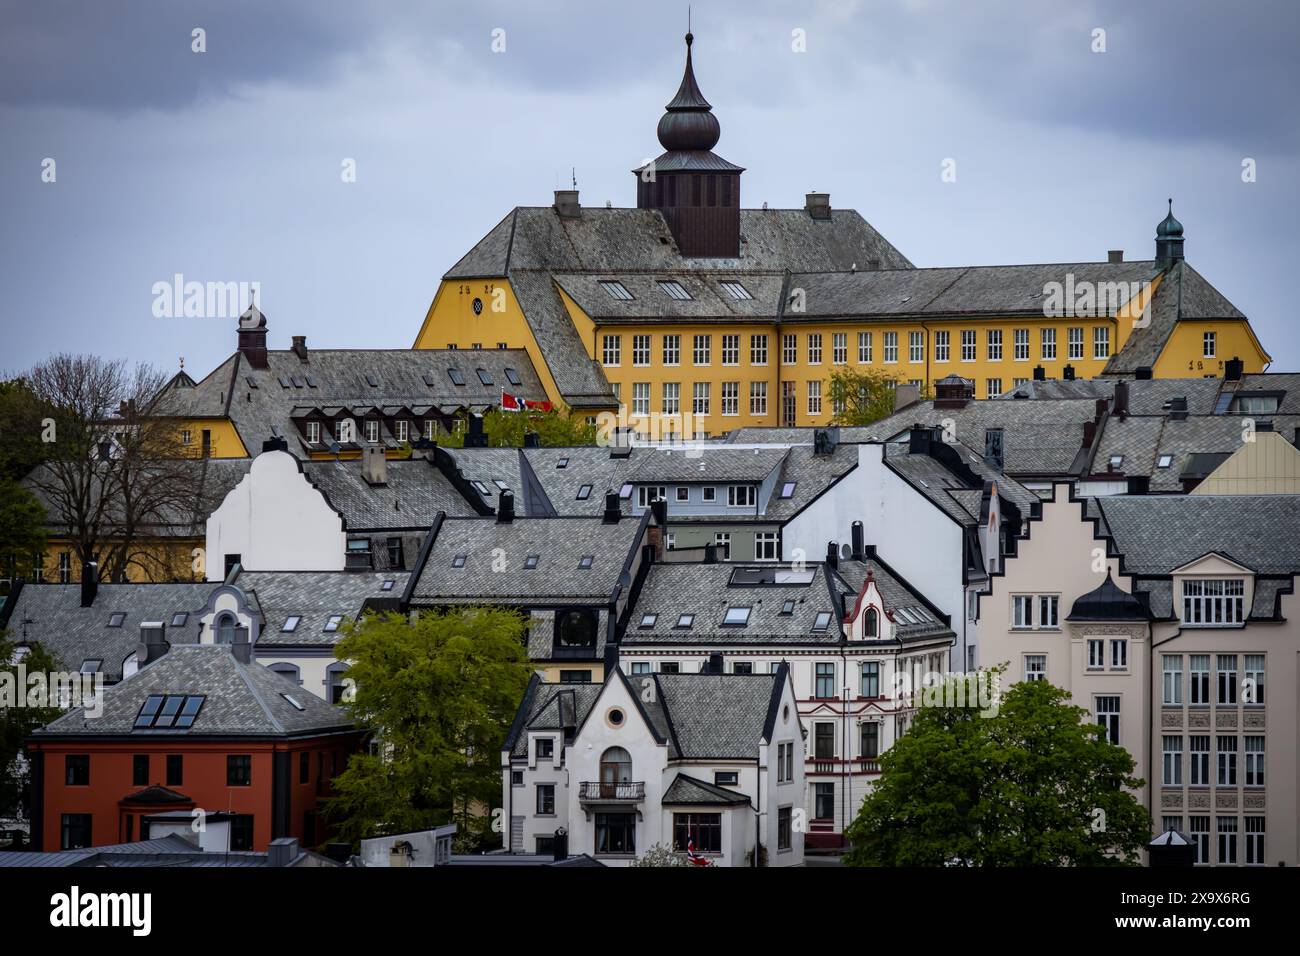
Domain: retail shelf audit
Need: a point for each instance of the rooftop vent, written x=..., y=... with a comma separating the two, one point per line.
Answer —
x=374, y=465
x=567, y=205
x=1115, y=255
x=818, y=205
x=300, y=347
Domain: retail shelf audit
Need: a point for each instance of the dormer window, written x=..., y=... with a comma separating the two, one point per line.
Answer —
x=313, y=432
x=372, y=431
x=1207, y=603
x=871, y=623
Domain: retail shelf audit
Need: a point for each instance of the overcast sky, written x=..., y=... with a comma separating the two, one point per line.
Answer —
x=226, y=165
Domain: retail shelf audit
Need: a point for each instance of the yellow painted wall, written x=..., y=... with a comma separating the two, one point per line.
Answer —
x=169, y=559
x=551, y=673
x=451, y=322
x=226, y=442
x=1184, y=355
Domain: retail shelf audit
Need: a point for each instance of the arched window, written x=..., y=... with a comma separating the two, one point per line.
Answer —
x=225, y=628
x=575, y=627
x=290, y=671
x=615, y=769
x=871, y=625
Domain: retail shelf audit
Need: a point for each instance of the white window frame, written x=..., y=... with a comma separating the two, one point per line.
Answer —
x=641, y=346
x=942, y=346
x=611, y=351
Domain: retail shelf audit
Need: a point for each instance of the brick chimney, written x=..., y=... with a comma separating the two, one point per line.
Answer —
x=818, y=205
x=374, y=465
x=300, y=347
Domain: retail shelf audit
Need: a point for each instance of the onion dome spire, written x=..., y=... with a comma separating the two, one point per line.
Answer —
x=689, y=123
x=1169, y=228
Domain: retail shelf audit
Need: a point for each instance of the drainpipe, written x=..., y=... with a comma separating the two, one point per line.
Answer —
x=845, y=772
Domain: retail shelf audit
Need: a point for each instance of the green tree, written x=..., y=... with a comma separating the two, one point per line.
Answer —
x=1035, y=785
x=506, y=429
x=22, y=423
x=439, y=695
x=864, y=395
x=17, y=723
x=22, y=529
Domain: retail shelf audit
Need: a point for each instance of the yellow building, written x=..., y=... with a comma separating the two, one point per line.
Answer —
x=690, y=314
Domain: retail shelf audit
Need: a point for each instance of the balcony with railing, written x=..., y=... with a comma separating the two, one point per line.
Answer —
x=839, y=765
x=594, y=791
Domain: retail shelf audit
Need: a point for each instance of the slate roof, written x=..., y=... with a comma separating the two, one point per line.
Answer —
x=559, y=544
x=1040, y=439
x=623, y=239
x=708, y=301
x=705, y=463
x=955, y=291
x=959, y=499
x=707, y=590
x=898, y=596
x=587, y=465
x=684, y=791
x=549, y=707
x=314, y=596
x=74, y=634
x=267, y=410
x=414, y=493
x=1183, y=294
x=716, y=716
x=169, y=851
x=1142, y=440
x=1158, y=533
x=240, y=700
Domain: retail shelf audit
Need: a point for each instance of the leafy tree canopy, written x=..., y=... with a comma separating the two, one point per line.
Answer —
x=865, y=395
x=439, y=694
x=1035, y=785
x=506, y=429
x=17, y=723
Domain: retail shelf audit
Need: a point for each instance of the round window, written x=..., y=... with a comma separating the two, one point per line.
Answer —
x=614, y=717
x=478, y=306
x=785, y=714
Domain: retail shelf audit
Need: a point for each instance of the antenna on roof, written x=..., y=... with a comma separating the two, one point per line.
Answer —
x=182, y=363
x=573, y=172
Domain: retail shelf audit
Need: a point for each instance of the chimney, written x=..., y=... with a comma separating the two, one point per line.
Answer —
x=560, y=846
x=275, y=444
x=252, y=337
x=300, y=347
x=282, y=851
x=1115, y=256
x=1264, y=425
x=89, y=583
x=655, y=533
x=567, y=205
x=1040, y=374
x=832, y=554
x=905, y=394
x=1138, y=484
x=818, y=205
x=153, y=642
x=993, y=447
x=505, y=507
x=1067, y=373
x=105, y=450
x=1178, y=409
x=1121, y=400
x=714, y=664
x=859, y=542
x=374, y=465
x=474, y=436
x=1089, y=434
x=1142, y=373
x=532, y=440
x=953, y=391
x=243, y=647
x=1233, y=369
x=710, y=554
x=612, y=509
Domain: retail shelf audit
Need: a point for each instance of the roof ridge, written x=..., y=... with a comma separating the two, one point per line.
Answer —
x=257, y=696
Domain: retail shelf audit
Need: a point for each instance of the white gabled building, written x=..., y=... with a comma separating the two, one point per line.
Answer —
x=615, y=768
x=846, y=630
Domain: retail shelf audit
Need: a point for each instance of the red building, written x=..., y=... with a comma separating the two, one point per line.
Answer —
x=198, y=728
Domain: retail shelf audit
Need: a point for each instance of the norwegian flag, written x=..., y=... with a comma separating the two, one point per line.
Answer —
x=517, y=403
x=693, y=856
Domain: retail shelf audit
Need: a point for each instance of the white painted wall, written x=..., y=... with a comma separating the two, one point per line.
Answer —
x=276, y=520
